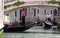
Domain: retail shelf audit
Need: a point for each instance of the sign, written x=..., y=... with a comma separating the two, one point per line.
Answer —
x=1, y=14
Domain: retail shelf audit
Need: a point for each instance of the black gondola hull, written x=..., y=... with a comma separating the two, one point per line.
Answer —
x=18, y=29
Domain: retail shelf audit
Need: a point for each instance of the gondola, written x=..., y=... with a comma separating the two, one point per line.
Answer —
x=20, y=28
x=9, y=28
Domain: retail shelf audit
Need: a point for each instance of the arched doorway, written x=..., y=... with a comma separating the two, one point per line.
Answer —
x=20, y=14
x=55, y=12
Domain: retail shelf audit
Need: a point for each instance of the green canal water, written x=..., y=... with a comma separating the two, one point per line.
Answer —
x=1, y=34
x=34, y=32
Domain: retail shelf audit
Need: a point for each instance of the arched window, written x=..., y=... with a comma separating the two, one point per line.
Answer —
x=44, y=11
x=34, y=12
x=55, y=12
x=15, y=13
x=7, y=14
x=51, y=11
x=20, y=14
x=38, y=11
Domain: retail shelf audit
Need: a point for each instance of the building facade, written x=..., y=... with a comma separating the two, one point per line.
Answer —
x=32, y=13
x=33, y=10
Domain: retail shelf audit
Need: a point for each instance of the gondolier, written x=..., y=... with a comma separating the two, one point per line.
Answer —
x=23, y=17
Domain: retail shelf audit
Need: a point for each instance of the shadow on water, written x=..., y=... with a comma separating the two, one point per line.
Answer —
x=36, y=32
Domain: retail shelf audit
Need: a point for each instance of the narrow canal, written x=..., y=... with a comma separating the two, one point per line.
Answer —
x=34, y=32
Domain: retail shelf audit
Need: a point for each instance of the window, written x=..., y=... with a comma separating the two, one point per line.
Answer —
x=51, y=11
x=44, y=11
x=26, y=11
x=38, y=11
x=58, y=11
x=34, y=12
x=15, y=13
x=55, y=12
x=20, y=14
x=38, y=17
x=7, y=17
x=7, y=14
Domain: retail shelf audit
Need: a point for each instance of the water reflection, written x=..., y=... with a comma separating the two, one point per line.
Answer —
x=34, y=32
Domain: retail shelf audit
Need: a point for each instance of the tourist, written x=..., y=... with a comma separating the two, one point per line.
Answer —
x=49, y=17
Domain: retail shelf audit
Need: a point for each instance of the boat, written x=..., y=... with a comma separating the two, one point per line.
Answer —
x=10, y=28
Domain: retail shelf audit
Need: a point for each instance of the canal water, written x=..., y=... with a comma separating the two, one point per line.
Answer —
x=34, y=32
